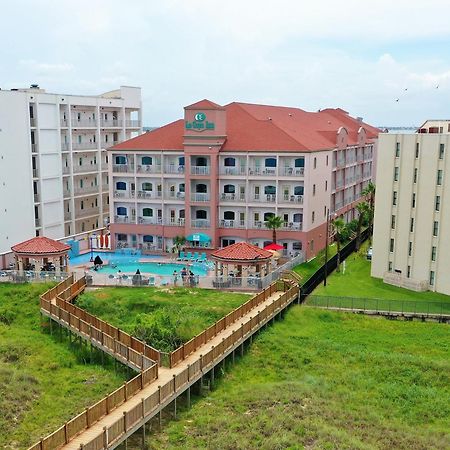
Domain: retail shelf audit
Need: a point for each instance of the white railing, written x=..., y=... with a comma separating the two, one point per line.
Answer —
x=84, y=145
x=31, y=276
x=263, y=171
x=232, y=223
x=292, y=226
x=200, y=197
x=111, y=123
x=242, y=170
x=133, y=123
x=34, y=148
x=87, y=190
x=292, y=171
x=264, y=198
x=124, y=219
x=200, y=170
x=154, y=168
x=150, y=220
x=86, y=168
x=175, y=195
x=200, y=223
x=232, y=197
x=174, y=169
x=123, y=168
x=83, y=123
x=292, y=199
x=149, y=194
x=175, y=222
x=86, y=212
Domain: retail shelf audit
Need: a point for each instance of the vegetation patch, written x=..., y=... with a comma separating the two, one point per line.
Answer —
x=327, y=380
x=164, y=318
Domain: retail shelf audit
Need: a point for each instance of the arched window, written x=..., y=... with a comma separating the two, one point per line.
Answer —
x=298, y=190
x=271, y=162
x=270, y=190
x=147, y=186
x=229, y=189
x=201, y=161
x=298, y=218
x=229, y=162
x=121, y=186
x=147, y=160
x=300, y=162
x=228, y=215
x=181, y=161
x=201, y=214
x=147, y=212
x=147, y=238
x=121, y=211
x=201, y=188
x=267, y=215
x=172, y=189
x=181, y=187
x=121, y=159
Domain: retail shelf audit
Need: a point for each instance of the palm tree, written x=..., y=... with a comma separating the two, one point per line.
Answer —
x=178, y=242
x=369, y=192
x=274, y=222
x=338, y=226
x=363, y=209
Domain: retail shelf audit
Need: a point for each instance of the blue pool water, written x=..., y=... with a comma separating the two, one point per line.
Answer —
x=154, y=268
x=124, y=256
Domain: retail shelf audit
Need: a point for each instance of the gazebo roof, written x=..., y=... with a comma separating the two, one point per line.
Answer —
x=40, y=245
x=242, y=251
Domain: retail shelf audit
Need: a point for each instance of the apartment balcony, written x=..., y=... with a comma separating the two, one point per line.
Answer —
x=65, y=170
x=67, y=193
x=262, y=171
x=175, y=222
x=200, y=197
x=200, y=223
x=144, y=195
x=148, y=169
x=84, y=146
x=133, y=123
x=64, y=123
x=339, y=184
x=87, y=190
x=338, y=205
x=107, y=144
x=84, y=123
x=35, y=173
x=32, y=122
x=36, y=198
x=87, y=212
x=123, y=168
x=174, y=169
x=242, y=171
x=124, y=219
x=150, y=220
x=124, y=194
x=111, y=123
x=232, y=223
x=232, y=197
x=292, y=226
x=292, y=199
x=340, y=162
x=86, y=168
x=67, y=215
x=174, y=195
x=264, y=198
x=200, y=170
x=291, y=171
x=257, y=225
x=34, y=148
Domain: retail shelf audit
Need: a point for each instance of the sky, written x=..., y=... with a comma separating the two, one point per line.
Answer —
x=386, y=61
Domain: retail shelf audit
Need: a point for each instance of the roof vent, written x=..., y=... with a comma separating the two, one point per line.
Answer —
x=34, y=86
x=269, y=118
x=359, y=119
x=290, y=114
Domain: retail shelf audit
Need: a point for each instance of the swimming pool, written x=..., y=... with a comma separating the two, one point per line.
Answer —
x=117, y=257
x=155, y=268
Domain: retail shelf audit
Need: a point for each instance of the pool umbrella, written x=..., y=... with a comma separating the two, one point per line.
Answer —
x=273, y=246
x=98, y=261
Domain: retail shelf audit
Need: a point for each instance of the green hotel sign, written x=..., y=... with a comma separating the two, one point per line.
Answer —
x=199, y=123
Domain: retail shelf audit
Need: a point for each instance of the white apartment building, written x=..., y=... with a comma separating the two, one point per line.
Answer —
x=53, y=162
x=412, y=214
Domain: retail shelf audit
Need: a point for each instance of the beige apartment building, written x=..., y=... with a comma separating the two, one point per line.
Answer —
x=411, y=246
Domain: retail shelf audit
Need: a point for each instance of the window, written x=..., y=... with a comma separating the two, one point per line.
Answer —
x=439, y=177
x=298, y=190
x=298, y=218
x=324, y=211
x=121, y=186
x=181, y=187
x=411, y=225
x=415, y=175
x=441, y=151
x=147, y=238
x=147, y=160
x=394, y=198
x=270, y=190
x=229, y=189
x=395, y=173
x=315, y=163
x=417, y=150
x=393, y=222
x=409, y=248
x=122, y=237
x=267, y=215
x=229, y=162
x=229, y=215
x=413, y=203
x=314, y=189
x=201, y=162
x=433, y=253
x=397, y=150
x=82, y=204
x=432, y=278
x=201, y=188
x=311, y=246
x=121, y=160
x=147, y=212
x=147, y=187
x=271, y=162
x=327, y=160
x=408, y=272
x=201, y=214
x=435, y=228
x=181, y=161
x=391, y=245
x=121, y=211
x=312, y=217
x=437, y=203
x=390, y=266
x=300, y=162
x=227, y=242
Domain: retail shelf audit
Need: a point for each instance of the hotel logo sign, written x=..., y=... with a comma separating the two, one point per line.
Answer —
x=199, y=123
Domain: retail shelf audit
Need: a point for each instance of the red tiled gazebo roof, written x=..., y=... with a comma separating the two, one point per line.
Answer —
x=40, y=246
x=241, y=251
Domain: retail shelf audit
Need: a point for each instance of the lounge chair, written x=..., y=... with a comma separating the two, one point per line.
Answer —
x=181, y=257
x=195, y=257
x=164, y=282
x=188, y=257
x=151, y=281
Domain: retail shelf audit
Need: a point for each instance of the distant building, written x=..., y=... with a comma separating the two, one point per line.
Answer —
x=412, y=217
x=219, y=173
x=53, y=163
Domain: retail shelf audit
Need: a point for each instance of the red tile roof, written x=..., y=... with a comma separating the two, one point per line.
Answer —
x=262, y=128
x=204, y=104
x=242, y=251
x=40, y=245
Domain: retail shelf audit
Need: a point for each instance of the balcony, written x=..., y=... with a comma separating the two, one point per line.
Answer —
x=232, y=223
x=124, y=219
x=84, y=146
x=83, y=123
x=231, y=197
x=174, y=169
x=133, y=123
x=175, y=222
x=66, y=193
x=242, y=171
x=174, y=195
x=35, y=173
x=36, y=198
x=264, y=198
x=262, y=171
x=110, y=123
x=292, y=171
x=200, y=223
x=34, y=148
x=87, y=190
x=32, y=122
x=123, y=168
x=124, y=194
x=107, y=144
x=200, y=170
x=65, y=170
x=87, y=212
x=148, y=169
x=67, y=215
x=86, y=168
x=292, y=226
x=149, y=194
x=200, y=197
x=150, y=220
x=292, y=199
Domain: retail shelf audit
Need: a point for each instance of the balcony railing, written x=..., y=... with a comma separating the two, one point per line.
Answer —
x=36, y=198
x=200, y=197
x=148, y=169
x=200, y=223
x=264, y=198
x=87, y=212
x=242, y=170
x=111, y=123
x=133, y=123
x=65, y=170
x=124, y=219
x=34, y=148
x=149, y=194
x=124, y=194
x=84, y=145
x=107, y=144
x=175, y=222
x=86, y=168
x=292, y=226
x=35, y=173
x=232, y=223
x=37, y=222
x=232, y=197
x=172, y=168
x=150, y=220
x=32, y=122
x=82, y=123
x=292, y=171
x=292, y=198
x=200, y=170
x=67, y=215
x=174, y=195
x=87, y=190
x=263, y=171
x=123, y=168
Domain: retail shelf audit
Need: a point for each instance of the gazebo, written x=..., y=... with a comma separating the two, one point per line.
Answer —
x=241, y=260
x=41, y=253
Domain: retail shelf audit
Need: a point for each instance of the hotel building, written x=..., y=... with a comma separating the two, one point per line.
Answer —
x=412, y=219
x=216, y=175
x=53, y=162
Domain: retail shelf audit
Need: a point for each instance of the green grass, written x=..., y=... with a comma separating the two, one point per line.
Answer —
x=307, y=269
x=356, y=282
x=43, y=382
x=327, y=380
x=165, y=318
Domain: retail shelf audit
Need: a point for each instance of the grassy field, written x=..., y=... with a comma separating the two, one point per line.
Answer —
x=43, y=382
x=356, y=282
x=165, y=318
x=306, y=269
x=327, y=380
